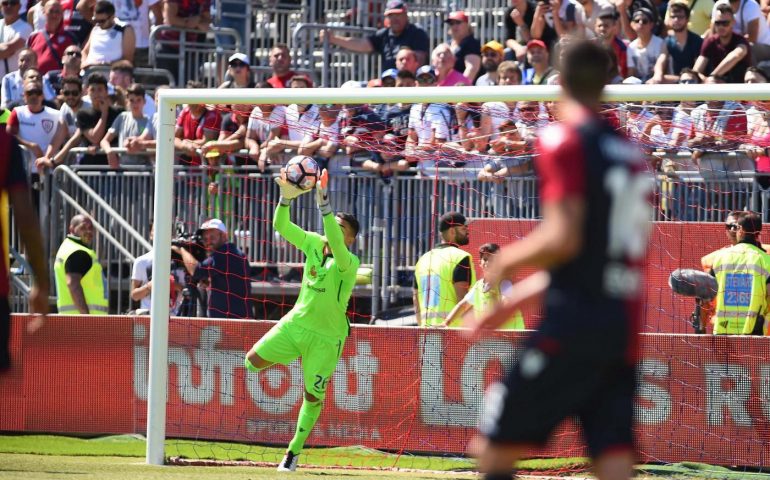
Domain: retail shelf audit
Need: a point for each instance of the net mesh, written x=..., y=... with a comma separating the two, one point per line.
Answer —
x=407, y=393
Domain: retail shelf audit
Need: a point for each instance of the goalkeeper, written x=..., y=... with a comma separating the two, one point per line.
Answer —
x=316, y=328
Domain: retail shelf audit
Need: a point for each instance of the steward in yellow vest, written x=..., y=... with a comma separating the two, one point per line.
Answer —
x=80, y=283
x=443, y=275
x=483, y=296
x=742, y=272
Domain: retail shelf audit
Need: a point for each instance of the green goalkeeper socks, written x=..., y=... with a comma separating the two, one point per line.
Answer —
x=308, y=415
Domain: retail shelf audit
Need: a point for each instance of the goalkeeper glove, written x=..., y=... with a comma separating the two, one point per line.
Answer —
x=322, y=193
x=289, y=191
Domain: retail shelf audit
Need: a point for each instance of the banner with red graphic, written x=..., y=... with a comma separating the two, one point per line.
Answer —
x=701, y=398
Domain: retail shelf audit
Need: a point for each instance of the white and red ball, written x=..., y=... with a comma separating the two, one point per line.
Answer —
x=302, y=171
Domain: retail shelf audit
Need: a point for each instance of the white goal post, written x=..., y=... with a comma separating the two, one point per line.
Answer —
x=171, y=98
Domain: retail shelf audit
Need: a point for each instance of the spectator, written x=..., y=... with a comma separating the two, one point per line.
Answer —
x=643, y=52
x=12, y=82
x=14, y=32
x=549, y=21
x=232, y=136
x=196, y=125
x=300, y=119
x=136, y=14
x=443, y=275
x=390, y=157
x=122, y=76
x=465, y=46
x=443, y=61
x=36, y=127
x=680, y=48
x=192, y=15
x=323, y=143
x=51, y=42
x=72, y=93
x=430, y=126
x=141, y=280
x=481, y=297
x=387, y=41
x=238, y=71
x=93, y=122
x=724, y=53
x=587, y=13
x=758, y=130
x=607, y=34
x=28, y=227
x=493, y=114
x=492, y=54
x=126, y=128
x=360, y=127
x=226, y=270
x=110, y=40
x=517, y=32
x=80, y=283
x=52, y=81
x=280, y=62
x=406, y=59
x=264, y=125
x=742, y=272
x=147, y=139
x=751, y=24
x=388, y=78
x=540, y=67
x=699, y=15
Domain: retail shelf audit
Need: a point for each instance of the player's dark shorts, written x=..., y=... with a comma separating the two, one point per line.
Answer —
x=577, y=363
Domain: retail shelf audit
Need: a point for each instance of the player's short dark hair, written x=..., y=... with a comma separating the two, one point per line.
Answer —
x=97, y=79
x=351, y=220
x=405, y=75
x=136, y=89
x=750, y=223
x=105, y=7
x=488, y=249
x=585, y=69
x=449, y=220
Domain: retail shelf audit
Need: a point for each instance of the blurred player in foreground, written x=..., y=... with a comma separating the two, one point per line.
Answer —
x=316, y=328
x=13, y=179
x=482, y=295
x=592, y=242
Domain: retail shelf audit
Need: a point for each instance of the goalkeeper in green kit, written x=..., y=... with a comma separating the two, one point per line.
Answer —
x=316, y=328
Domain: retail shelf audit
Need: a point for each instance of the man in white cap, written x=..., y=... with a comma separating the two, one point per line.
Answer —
x=238, y=73
x=226, y=270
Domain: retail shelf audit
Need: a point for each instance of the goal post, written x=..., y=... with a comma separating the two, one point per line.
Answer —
x=169, y=99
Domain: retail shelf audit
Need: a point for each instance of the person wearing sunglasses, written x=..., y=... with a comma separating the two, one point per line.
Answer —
x=110, y=40
x=749, y=22
x=238, y=72
x=724, y=54
x=71, y=60
x=14, y=32
x=645, y=50
x=51, y=42
x=465, y=45
x=680, y=48
x=12, y=83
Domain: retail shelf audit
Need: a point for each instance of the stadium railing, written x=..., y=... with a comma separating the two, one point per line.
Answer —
x=396, y=214
x=335, y=64
x=204, y=60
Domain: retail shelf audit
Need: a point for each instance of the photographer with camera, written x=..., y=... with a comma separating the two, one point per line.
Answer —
x=226, y=270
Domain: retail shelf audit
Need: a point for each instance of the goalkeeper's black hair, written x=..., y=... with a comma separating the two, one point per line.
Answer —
x=351, y=220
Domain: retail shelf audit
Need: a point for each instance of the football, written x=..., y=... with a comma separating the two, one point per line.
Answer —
x=302, y=171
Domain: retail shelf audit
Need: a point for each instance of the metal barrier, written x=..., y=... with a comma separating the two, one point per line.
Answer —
x=202, y=56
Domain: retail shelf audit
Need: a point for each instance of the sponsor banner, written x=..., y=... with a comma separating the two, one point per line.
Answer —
x=701, y=398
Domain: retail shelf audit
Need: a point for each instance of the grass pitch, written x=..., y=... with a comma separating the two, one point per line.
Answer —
x=33, y=457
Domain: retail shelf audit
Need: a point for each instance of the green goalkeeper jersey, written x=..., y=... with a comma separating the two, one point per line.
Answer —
x=327, y=280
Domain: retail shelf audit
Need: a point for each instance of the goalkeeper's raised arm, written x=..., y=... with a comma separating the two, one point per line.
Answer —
x=281, y=222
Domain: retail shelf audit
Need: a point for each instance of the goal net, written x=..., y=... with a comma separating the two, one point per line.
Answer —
x=399, y=158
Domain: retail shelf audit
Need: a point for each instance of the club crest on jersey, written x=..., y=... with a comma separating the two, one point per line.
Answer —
x=47, y=125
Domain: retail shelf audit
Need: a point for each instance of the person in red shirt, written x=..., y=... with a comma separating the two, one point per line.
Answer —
x=280, y=62
x=50, y=44
x=195, y=126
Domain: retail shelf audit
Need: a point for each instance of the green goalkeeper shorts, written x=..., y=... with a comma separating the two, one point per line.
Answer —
x=284, y=343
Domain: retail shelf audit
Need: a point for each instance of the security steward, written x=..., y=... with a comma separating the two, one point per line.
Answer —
x=80, y=284
x=742, y=273
x=444, y=274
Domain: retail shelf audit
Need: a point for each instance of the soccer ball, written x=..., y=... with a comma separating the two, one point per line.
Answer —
x=302, y=171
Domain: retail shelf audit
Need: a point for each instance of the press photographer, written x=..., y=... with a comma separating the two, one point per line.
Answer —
x=225, y=270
